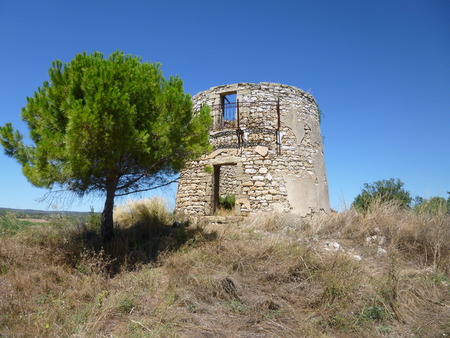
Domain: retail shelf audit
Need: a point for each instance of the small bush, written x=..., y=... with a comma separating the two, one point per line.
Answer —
x=433, y=206
x=10, y=225
x=125, y=305
x=227, y=202
x=374, y=312
x=209, y=169
x=382, y=191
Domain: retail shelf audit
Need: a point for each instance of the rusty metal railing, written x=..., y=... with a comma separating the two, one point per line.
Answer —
x=229, y=115
x=229, y=111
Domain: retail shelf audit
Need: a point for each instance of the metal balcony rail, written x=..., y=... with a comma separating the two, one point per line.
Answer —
x=228, y=114
x=229, y=111
x=228, y=117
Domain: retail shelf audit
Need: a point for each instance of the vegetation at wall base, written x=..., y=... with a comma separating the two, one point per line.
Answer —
x=376, y=273
x=227, y=202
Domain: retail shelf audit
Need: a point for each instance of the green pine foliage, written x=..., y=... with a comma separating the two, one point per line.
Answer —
x=382, y=191
x=110, y=125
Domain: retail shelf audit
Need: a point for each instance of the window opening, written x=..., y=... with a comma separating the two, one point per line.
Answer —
x=229, y=107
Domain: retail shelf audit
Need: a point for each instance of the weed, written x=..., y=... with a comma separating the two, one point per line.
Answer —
x=101, y=296
x=383, y=329
x=126, y=305
x=272, y=314
x=43, y=299
x=209, y=169
x=192, y=308
x=374, y=312
x=440, y=279
x=238, y=307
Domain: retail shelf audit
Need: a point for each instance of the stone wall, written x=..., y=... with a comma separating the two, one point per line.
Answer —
x=276, y=151
x=227, y=180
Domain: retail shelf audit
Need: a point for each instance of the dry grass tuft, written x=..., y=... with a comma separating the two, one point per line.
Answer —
x=148, y=214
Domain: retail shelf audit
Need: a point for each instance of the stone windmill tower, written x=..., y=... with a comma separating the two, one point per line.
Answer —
x=267, y=152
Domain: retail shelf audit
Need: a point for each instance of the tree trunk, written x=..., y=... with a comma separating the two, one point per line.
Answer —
x=107, y=226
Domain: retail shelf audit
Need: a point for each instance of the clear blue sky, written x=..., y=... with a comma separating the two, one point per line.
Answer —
x=379, y=70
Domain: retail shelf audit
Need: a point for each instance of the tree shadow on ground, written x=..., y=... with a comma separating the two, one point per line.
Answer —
x=131, y=247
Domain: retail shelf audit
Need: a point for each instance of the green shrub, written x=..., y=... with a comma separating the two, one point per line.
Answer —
x=209, y=169
x=432, y=206
x=93, y=220
x=10, y=224
x=227, y=202
x=125, y=305
x=382, y=192
x=374, y=312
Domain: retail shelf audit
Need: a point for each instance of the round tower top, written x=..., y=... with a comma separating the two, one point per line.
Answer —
x=277, y=89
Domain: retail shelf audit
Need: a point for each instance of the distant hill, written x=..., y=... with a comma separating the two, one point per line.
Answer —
x=30, y=213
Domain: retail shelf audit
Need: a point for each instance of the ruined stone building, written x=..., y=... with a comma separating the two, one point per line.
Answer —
x=267, y=152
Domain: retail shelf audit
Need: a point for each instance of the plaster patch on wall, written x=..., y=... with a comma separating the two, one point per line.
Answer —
x=244, y=201
x=302, y=195
x=291, y=119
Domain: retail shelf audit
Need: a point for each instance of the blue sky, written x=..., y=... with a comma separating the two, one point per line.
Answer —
x=379, y=70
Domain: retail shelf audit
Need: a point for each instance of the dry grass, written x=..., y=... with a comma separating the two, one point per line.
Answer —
x=273, y=276
x=147, y=213
x=420, y=238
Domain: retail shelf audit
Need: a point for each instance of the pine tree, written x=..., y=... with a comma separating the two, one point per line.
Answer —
x=112, y=125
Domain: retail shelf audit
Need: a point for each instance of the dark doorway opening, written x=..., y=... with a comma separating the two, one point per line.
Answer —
x=225, y=189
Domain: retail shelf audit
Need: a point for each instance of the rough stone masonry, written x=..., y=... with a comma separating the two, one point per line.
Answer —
x=267, y=151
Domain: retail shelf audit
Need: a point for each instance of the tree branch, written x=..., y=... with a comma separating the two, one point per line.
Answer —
x=135, y=180
x=130, y=182
x=142, y=190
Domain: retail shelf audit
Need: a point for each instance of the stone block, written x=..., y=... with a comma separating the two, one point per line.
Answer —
x=261, y=150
